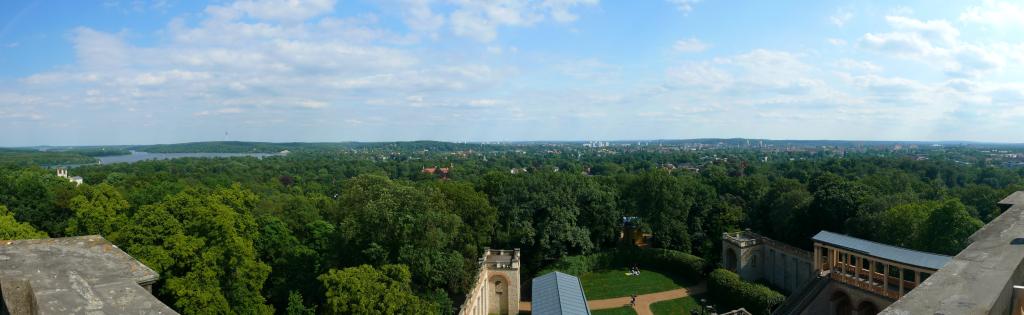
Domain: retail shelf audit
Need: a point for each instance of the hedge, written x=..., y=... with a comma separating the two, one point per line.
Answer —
x=663, y=260
x=730, y=292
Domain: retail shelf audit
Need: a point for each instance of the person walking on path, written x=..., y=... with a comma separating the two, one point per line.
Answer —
x=632, y=300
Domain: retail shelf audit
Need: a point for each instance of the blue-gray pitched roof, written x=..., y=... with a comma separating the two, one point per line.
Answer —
x=557, y=293
x=888, y=252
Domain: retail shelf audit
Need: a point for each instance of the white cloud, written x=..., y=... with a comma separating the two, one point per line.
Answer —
x=938, y=43
x=900, y=44
x=836, y=42
x=995, y=13
x=690, y=45
x=841, y=17
x=419, y=16
x=934, y=30
x=480, y=19
x=241, y=59
x=222, y=111
x=684, y=6
x=901, y=10
x=858, y=65
x=277, y=10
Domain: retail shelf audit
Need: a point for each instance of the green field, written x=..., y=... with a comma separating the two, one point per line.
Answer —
x=625, y=310
x=615, y=283
x=680, y=306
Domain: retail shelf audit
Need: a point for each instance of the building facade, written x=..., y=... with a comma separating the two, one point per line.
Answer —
x=497, y=286
x=754, y=257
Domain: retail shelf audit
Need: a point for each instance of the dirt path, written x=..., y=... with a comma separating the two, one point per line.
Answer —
x=643, y=302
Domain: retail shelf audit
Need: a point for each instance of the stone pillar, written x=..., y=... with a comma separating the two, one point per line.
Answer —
x=817, y=259
x=917, y=278
x=901, y=281
x=871, y=272
x=885, y=278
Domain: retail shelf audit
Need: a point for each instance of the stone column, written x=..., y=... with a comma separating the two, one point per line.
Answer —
x=901, y=281
x=817, y=259
x=871, y=272
x=885, y=278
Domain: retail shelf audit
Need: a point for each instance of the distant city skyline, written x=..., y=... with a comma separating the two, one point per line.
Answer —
x=144, y=72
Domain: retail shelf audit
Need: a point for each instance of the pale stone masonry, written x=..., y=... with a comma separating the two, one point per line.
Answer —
x=981, y=279
x=497, y=286
x=74, y=275
x=754, y=257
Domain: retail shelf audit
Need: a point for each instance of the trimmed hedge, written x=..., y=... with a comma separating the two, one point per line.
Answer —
x=730, y=292
x=663, y=260
x=688, y=266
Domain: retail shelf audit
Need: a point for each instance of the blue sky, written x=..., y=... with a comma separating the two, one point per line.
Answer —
x=137, y=72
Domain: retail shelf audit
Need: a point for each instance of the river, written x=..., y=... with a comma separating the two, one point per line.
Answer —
x=143, y=156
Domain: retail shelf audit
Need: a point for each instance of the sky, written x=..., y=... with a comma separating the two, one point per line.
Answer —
x=166, y=71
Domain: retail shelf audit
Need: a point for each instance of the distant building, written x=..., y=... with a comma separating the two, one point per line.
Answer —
x=74, y=275
x=442, y=172
x=63, y=172
x=517, y=170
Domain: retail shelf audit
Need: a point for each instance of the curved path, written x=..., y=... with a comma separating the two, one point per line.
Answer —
x=643, y=302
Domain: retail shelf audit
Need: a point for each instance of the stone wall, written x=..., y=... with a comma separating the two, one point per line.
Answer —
x=761, y=258
x=857, y=301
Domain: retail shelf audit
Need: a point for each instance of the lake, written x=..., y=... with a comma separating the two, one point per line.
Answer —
x=143, y=156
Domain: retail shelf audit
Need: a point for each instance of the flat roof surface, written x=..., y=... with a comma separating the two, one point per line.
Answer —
x=557, y=293
x=75, y=275
x=888, y=252
x=978, y=280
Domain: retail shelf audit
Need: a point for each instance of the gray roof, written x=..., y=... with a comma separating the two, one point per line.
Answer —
x=557, y=293
x=888, y=252
x=75, y=275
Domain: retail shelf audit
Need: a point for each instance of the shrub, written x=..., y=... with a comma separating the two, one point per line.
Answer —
x=666, y=260
x=730, y=292
x=579, y=265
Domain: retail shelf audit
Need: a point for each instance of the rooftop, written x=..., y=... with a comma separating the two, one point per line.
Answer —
x=74, y=275
x=979, y=279
x=879, y=250
x=557, y=293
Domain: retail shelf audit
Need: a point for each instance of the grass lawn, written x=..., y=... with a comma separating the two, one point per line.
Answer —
x=615, y=283
x=625, y=310
x=680, y=306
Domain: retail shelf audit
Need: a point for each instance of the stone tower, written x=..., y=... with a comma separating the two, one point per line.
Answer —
x=497, y=287
x=740, y=254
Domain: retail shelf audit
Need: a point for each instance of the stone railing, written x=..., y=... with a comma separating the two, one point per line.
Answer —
x=743, y=238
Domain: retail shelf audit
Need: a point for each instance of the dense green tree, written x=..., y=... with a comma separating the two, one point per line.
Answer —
x=100, y=210
x=202, y=244
x=902, y=225
x=660, y=200
x=786, y=199
x=11, y=229
x=476, y=213
x=368, y=290
x=948, y=227
x=296, y=306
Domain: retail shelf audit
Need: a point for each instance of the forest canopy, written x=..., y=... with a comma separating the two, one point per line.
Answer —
x=315, y=230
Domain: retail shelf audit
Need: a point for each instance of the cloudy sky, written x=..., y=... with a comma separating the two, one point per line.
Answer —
x=137, y=72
